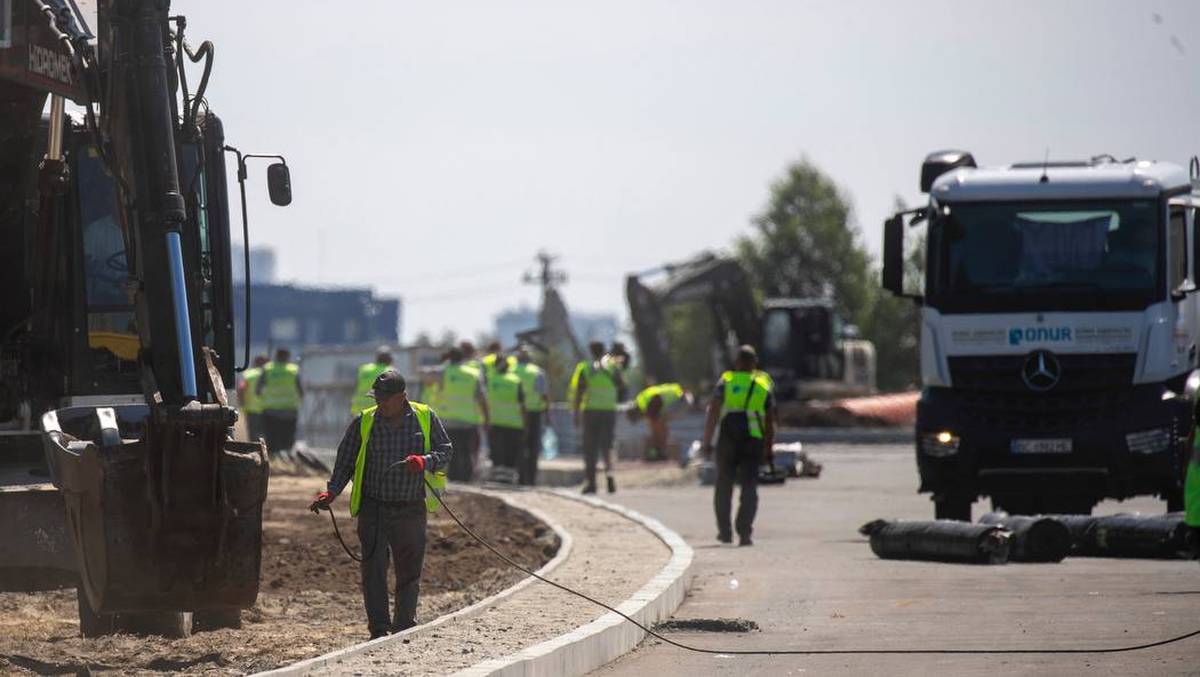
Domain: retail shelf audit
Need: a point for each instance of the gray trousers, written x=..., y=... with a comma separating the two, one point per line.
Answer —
x=738, y=459
x=597, y=441
x=400, y=528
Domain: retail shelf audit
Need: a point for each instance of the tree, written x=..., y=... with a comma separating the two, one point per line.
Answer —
x=805, y=244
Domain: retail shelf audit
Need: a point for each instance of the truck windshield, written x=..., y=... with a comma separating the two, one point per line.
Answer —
x=1046, y=255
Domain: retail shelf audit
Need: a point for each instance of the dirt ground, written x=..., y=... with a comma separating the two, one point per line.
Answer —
x=309, y=604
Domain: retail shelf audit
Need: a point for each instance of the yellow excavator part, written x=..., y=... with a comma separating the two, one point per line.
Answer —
x=124, y=346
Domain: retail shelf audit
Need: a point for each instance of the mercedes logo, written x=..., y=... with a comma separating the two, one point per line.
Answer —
x=1041, y=371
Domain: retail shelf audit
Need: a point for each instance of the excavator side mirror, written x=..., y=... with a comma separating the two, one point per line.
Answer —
x=279, y=184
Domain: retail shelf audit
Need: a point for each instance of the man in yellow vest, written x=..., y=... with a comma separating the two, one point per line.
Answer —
x=249, y=399
x=390, y=451
x=597, y=387
x=745, y=407
x=534, y=386
x=657, y=404
x=506, y=434
x=280, y=392
x=367, y=373
x=464, y=408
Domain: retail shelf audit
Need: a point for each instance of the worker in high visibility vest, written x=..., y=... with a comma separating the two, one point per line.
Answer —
x=597, y=388
x=536, y=390
x=464, y=409
x=280, y=392
x=1191, y=494
x=391, y=451
x=248, y=397
x=658, y=404
x=744, y=405
x=506, y=434
x=367, y=373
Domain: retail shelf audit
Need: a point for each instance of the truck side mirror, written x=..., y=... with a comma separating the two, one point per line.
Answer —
x=893, y=255
x=279, y=184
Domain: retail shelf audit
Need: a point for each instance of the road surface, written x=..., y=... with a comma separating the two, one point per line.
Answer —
x=810, y=581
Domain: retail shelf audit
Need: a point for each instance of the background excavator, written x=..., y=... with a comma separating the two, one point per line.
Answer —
x=802, y=343
x=118, y=472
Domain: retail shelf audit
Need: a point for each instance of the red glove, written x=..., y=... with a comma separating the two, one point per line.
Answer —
x=322, y=500
x=415, y=464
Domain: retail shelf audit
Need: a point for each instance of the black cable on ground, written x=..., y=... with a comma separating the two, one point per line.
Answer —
x=777, y=652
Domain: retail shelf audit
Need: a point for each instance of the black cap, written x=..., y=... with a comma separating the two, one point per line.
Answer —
x=387, y=384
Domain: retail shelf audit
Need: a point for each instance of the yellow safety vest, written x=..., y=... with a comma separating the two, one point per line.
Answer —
x=367, y=374
x=529, y=373
x=746, y=392
x=504, y=405
x=670, y=393
x=281, y=390
x=460, y=386
x=436, y=478
x=251, y=402
x=601, y=393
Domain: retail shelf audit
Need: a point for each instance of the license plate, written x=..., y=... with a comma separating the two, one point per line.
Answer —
x=1051, y=446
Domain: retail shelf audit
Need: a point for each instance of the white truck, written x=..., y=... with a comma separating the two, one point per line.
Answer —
x=1058, y=330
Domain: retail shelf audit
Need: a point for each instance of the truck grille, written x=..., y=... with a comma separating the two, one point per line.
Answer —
x=1092, y=388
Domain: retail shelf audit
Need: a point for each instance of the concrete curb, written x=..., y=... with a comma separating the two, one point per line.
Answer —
x=610, y=636
x=328, y=661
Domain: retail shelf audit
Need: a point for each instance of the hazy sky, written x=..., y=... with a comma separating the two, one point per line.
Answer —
x=435, y=147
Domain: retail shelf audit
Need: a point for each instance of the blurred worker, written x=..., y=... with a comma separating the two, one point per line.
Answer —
x=533, y=384
x=367, y=373
x=745, y=407
x=506, y=404
x=597, y=389
x=658, y=404
x=469, y=356
x=251, y=402
x=1191, y=494
x=280, y=392
x=464, y=408
x=391, y=451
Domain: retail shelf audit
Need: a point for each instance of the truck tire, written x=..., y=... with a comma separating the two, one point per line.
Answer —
x=92, y=624
x=217, y=619
x=952, y=508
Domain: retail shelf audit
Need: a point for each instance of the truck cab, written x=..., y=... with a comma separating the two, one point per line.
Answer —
x=1059, y=331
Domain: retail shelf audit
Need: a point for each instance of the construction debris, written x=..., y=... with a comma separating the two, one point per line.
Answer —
x=1035, y=538
x=938, y=541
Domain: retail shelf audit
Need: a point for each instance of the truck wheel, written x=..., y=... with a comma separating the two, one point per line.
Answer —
x=217, y=619
x=169, y=624
x=952, y=508
x=92, y=624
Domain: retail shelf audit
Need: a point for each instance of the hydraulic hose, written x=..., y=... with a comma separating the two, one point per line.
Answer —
x=768, y=652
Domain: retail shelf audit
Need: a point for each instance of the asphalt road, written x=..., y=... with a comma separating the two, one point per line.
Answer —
x=811, y=581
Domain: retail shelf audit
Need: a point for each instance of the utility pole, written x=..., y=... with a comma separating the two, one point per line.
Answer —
x=553, y=318
x=548, y=278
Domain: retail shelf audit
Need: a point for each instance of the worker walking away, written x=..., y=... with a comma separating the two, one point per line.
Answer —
x=597, y=388
x=1191, y=495
x=658, y=404
x=280, y=393
x=464, y=409
x=744, y=405
x=506, y=435
x=391, y=451
x=535, y=389
x=367, y=374
x=249, y=399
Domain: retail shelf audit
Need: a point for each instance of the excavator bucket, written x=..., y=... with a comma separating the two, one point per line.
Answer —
x=165, y=512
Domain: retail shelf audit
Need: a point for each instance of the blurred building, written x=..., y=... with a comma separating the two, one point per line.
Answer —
x=262, y=265
x=585, y=326
x=297, y=317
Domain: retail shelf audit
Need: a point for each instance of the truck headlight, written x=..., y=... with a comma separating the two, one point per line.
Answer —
x=1153, y=441
x=940, y=444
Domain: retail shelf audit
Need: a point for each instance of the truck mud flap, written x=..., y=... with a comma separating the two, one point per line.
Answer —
x=938, y=541
x=1034, y=538
x=1129, y=536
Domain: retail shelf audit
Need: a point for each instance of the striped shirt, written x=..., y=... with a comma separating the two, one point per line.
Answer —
x=389, y=444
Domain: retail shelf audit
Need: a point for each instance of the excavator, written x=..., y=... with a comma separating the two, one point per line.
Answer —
x=803, y=344
x=119, y=474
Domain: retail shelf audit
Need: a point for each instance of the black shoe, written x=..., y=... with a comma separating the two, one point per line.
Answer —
x=612, y=486
x=744, y=541
x=725, y=538
x=376, y=634
x=589, y=489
